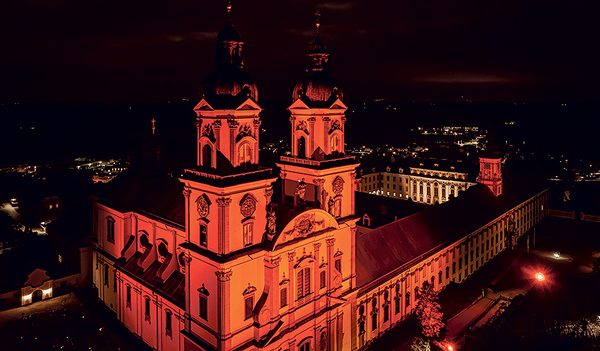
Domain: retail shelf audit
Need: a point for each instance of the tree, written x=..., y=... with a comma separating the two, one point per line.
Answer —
x=429, y=312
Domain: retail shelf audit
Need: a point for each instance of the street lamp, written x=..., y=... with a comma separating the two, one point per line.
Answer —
x=540, y=276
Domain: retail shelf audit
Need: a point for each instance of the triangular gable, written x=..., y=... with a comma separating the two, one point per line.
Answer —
x=203, y=105
x=338, y=105
x=298, y=104
x=37, y=278
x=249, y=105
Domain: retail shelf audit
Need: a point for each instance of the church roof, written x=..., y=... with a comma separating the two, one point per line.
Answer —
x=394, y=245
x=158, y=195
x=383, y=210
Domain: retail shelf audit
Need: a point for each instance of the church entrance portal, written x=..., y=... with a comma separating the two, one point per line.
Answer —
x=37, y=296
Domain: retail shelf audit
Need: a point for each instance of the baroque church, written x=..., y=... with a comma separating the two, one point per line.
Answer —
x=237, y=256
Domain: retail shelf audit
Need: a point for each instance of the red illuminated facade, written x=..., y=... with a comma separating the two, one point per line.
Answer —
x=490, y=172
x=215, y=260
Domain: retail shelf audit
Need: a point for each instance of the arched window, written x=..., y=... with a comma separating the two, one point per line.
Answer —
x=168, y=324
x=110, y=230
x=207, y=156
x=301, y=146
x=335, y=143
x=244, y=153
x=407, y=298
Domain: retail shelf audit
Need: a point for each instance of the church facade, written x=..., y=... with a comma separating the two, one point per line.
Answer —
x=236, y=256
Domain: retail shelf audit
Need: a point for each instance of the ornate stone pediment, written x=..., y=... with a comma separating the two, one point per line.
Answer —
x=306, y=223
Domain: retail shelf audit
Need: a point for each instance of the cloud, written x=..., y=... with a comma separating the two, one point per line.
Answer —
x=466, y=77
x=339, y=6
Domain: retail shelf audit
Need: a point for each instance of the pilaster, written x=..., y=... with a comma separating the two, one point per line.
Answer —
x=223, y=224
x=223, y=309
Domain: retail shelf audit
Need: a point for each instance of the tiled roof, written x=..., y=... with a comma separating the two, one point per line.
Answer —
x=393, y=245
x=157, y=194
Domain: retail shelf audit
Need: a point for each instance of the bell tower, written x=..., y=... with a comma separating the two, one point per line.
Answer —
x=318, y=174
x=226, y=195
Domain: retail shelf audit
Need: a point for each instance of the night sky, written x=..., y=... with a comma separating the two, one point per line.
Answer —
x=423, y=50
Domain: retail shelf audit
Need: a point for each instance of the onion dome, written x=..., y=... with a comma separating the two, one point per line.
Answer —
x=228, y=33
x=228, y=85
x=317, y=86
x=228, y=81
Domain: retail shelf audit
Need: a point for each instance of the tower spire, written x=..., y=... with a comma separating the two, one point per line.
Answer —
x=229, y=10
x=153, y=128
x=317, y=24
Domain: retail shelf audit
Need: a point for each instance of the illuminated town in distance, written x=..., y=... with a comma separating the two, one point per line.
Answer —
x=401, y=182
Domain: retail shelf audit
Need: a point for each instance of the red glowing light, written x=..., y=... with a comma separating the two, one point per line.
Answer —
x=450, y=348
x=540, y=277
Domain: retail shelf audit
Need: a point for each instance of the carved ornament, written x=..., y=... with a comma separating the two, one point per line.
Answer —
x=223, y=276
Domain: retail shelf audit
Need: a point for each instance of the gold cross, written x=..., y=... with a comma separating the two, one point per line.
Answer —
x=153, y=120
x=318, y=24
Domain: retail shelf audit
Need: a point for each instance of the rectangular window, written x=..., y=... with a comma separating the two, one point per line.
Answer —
x=203, y=235
x=303, y=283
x=283, y=298
x=110, y=230
x=106, y=275
x=248, y=307
x=338, y=265
x=168, y=327
x=147, y=309
x=114, y=281
x=386, y=313
x=128, y=300
x=397, y=305
x=248, y=228
x=323, y=279
x=204, y=307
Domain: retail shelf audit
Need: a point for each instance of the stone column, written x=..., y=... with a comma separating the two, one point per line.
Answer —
x=330, y=264
x=292, y=292
x=233, y=124
x=256, y=124
x=354, y=233
x=402, y=297
x=353, y=188
x=223, y=224
x=343, y=119
x=326, y=147
x=217, y=133
x=311, y=136
x=223, y=309
x=186, y=194
x=318, y=182
x=272, y=282
x=283, y=176
x=294, y=146
x=316, y=275
x=199, y=153
x=187, y=261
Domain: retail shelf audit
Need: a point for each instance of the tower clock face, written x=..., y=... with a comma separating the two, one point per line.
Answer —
x=248, y=207
x=202, y=206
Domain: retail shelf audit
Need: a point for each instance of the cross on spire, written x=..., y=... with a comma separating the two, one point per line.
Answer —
x=317, y=14
x=153, y=120
x=229, y=10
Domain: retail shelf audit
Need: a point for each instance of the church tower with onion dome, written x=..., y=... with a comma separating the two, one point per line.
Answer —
x=318, y=161
x=227, y=196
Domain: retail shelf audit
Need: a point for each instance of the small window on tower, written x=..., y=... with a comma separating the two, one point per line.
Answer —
x=248, y=229
x=203, y=235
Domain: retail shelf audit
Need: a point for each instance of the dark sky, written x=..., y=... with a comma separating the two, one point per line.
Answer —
x=426, y=50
